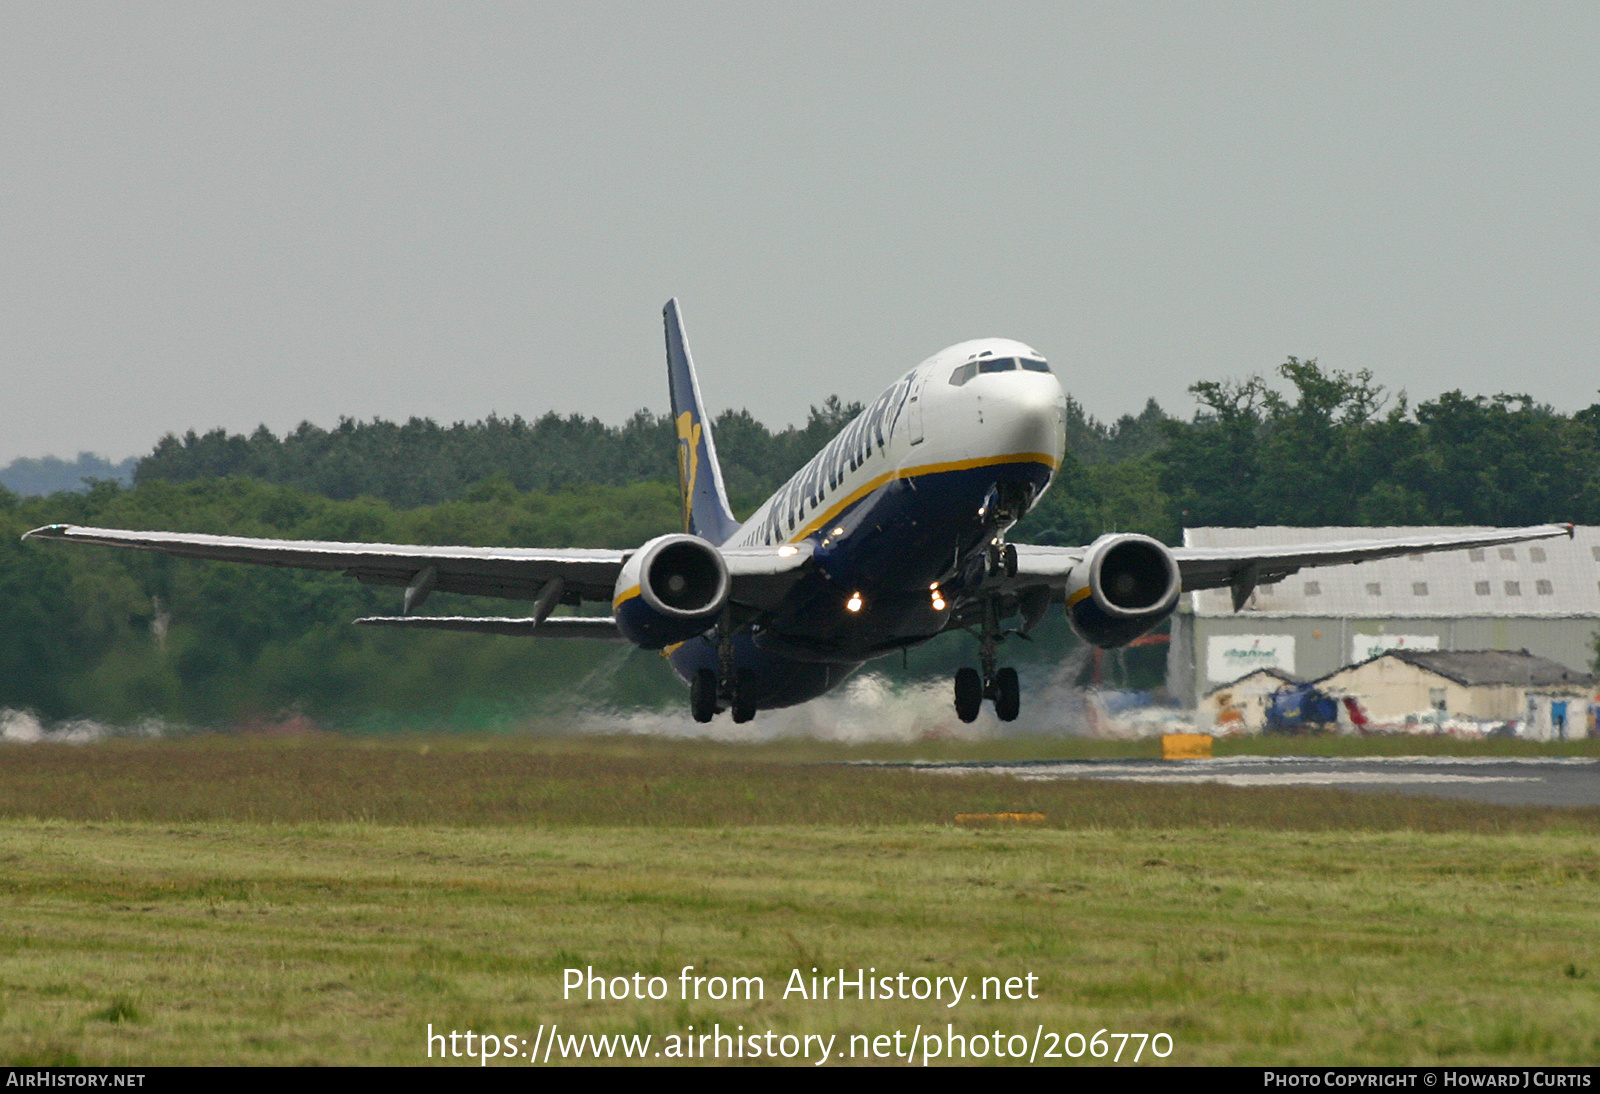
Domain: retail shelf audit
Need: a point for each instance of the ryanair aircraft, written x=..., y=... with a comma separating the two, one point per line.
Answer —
x=894, y=533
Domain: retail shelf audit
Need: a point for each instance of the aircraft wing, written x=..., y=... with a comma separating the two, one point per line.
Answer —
x=1224, y=567
x=517, y=573
x=1242, y=568
x=759, y=575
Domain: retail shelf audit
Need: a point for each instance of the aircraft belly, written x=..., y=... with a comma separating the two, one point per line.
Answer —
x=907, y=537
x=767, y=680
x=895, y=544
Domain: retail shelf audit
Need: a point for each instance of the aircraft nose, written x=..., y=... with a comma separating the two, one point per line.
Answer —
x=1028, y=414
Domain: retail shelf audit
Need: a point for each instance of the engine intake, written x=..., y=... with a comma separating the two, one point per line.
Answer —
x=1125, y=586
x=670, y=590
x=685, y=577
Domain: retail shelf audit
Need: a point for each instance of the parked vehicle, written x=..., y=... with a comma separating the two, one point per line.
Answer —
x=1298, y=708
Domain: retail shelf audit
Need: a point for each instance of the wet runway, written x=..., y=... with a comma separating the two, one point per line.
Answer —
x=1493, y=779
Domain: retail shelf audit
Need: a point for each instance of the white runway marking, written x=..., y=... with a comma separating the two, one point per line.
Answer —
x=1505, y=780
x=1215, y=771
x=1295, y=778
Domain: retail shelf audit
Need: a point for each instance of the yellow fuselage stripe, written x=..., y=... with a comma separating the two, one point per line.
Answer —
x=917, y=473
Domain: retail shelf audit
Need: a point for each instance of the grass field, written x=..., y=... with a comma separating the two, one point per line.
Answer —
x=228, y=900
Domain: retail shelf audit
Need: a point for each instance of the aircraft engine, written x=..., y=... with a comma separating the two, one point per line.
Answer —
x=670, y=590
x=1125, y=585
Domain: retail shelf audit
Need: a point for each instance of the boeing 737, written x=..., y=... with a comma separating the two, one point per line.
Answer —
x=894, y=533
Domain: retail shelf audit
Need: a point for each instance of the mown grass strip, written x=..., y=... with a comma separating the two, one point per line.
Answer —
x=652, y=784
x=318, y=943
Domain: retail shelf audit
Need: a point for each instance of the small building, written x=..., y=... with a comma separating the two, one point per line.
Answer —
x=1241, y=705
x=1540, y=697
x=1542, y=596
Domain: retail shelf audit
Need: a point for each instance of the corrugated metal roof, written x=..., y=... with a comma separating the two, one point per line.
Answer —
x=1552, y=577
x=1475, y=668
x=1277, y=674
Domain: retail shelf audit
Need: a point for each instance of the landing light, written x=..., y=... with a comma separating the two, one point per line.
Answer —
x=854, y=603
x=786, y=550
x=938, y=602
x=838, y=531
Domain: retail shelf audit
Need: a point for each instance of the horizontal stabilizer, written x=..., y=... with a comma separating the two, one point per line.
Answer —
x=559, y=626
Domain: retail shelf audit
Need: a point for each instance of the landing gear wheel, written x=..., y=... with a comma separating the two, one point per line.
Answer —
x=743, y=708
x=1007, y=695
x=703, y=695
x=969, y=694
x=1008, y=559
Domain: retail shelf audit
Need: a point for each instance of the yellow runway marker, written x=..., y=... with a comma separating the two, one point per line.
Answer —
x=1000, y=818
x=1186, y=746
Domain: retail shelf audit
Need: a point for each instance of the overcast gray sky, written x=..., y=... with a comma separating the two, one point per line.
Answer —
x=228, y=214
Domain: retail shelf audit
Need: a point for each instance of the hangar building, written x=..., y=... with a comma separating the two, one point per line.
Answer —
x=1543, y=597
x=1544, y=698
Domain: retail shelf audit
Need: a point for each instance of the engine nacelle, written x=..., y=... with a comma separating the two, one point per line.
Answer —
x=1125, y=585
x=670, y=590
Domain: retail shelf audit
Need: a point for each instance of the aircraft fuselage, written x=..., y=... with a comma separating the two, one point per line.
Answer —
x=899, y=508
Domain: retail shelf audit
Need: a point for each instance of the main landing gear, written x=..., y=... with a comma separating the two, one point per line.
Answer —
x=725, y=689
x=1002, y=687
x=999, y=685
x=705, y=699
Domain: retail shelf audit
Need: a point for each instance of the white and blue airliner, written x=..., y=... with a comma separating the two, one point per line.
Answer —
x=892, y=534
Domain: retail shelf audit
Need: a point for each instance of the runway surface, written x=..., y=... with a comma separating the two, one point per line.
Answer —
x=1493, y=779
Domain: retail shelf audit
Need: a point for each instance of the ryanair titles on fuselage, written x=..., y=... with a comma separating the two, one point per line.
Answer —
x=849, y=451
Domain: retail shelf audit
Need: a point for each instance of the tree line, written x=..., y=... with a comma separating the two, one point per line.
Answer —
x=1330, y=448
x=420, y=462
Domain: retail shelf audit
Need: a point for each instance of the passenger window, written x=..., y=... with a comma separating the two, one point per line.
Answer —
x=998, y=364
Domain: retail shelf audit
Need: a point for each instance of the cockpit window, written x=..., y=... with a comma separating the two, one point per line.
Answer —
x=995, y=364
